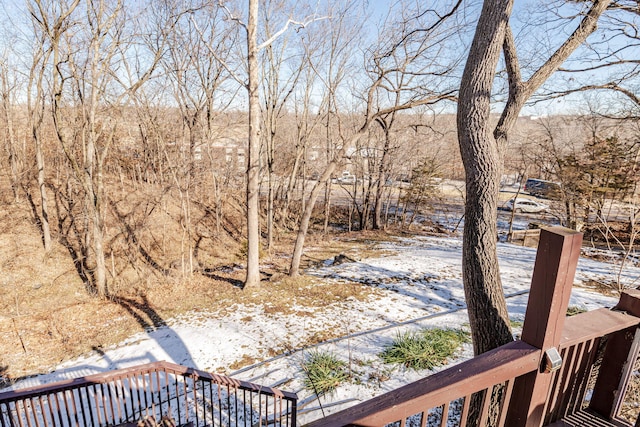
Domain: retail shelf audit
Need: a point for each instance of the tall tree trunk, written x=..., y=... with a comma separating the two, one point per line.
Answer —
x=291, y=184
x=93, y=166
x=12, y=153
x=36, y=115
x=44, y=201
x=327, y=208
x=270, y=192
x=253, y=159
x=482, y=158
x=100, y=272
x=482, y=155
x=381, y=181
x=94, y=200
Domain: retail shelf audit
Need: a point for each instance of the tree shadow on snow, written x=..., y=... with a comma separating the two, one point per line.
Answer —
x=157, y=329
x=425, y=289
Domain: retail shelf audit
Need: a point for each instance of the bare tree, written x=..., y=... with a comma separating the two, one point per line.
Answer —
x=36, y=99
x=252, y=85
x=84, y=83
x=252, y=279
x=197, y=76
x=50, y=24
x=384, y=167
x=283, y=68
x=395, y=56
x=306, y=125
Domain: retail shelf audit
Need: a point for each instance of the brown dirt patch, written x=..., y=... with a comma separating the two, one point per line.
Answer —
x=47, y=316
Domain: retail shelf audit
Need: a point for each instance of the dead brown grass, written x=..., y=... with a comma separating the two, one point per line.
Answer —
x=47, y=316
x=604, y=288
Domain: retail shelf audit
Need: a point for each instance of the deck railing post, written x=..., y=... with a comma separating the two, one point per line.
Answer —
x=553, y=275
x=618, y=360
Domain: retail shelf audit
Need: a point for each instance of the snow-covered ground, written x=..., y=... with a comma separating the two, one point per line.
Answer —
x=417, y=284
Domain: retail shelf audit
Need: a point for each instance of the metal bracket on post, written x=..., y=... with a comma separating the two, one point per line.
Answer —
x=552, y=360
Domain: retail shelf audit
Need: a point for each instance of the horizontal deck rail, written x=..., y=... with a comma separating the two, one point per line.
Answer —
x=438, y=391
x=148, y=392
x=434, y=395
x=514, y=384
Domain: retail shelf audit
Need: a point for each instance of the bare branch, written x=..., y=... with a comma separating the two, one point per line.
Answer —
x=213, y=53
x=440, y=20
x=606, y=86
x=600, y=66
x=586, y=27
x=230, y=15
x=522, y=92
x=300, y=24
x=511, y=61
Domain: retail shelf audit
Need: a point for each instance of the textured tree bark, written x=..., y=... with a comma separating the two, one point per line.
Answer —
x=482, y=155
x=482, y=158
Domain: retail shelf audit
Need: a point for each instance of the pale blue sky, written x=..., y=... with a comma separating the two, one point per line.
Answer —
x=536, y=41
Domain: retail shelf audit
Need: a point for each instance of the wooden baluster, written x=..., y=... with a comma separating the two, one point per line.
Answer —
x=619, y=357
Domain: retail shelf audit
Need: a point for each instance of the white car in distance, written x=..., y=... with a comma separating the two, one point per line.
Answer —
x=526, y=206
x=346, y=178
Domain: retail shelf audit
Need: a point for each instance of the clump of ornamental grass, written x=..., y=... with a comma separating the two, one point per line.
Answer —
x=572, y=310
x=426, y=349
x=324, y=372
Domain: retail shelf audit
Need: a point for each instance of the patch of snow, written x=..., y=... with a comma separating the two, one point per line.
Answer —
x=418, y=284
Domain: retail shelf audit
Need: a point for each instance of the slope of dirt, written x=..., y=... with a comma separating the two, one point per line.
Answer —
x=48, y=316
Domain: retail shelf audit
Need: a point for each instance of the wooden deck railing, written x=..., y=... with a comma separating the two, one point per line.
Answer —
x=583, y=372
x=148, y=392
x=445, y=393
x=597, y=350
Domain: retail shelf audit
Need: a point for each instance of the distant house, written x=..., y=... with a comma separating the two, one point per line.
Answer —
x=227, y=150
